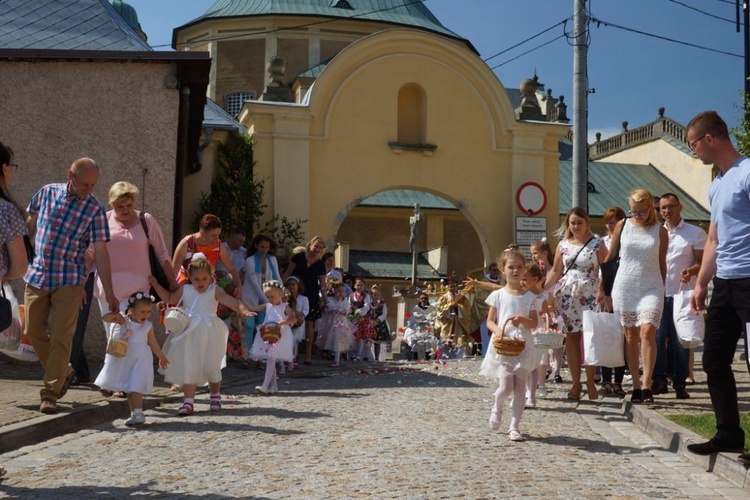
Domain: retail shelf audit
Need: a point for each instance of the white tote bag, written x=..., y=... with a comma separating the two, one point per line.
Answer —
x=690, y=326
x=603, y=339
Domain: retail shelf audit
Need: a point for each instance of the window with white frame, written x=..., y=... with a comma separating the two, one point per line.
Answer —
x=233, y=102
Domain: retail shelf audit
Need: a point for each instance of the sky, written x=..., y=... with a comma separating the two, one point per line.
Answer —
x=633, y=75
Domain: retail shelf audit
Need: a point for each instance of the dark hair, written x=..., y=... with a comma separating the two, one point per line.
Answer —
x=260, y=239
x=237, y=231
x=139, y=298
x=6, y=153
x=533, y=270
x=326, y=256
x=616, y=213
x=671, y=195
x=209, y=222
x=708, y=122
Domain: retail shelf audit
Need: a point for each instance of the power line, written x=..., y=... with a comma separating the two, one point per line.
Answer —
x=287, y=28
x=530, y=50
x=652, y=35
x=563, y=22
x=702, y=11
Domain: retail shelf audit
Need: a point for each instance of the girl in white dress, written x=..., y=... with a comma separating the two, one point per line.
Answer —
x=199, y=353
x=533, y=281
x=301, y=307
x=512, y=303
x=134, y=372
x=338, y=330
x=276, y=311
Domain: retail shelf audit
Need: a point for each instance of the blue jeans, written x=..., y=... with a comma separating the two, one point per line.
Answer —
x=668, y=348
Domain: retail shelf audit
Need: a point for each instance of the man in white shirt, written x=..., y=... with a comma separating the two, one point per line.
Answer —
x=237, y=252
x=684, y=255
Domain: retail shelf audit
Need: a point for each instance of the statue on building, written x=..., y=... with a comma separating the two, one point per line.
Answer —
x=276, y=90
x=529, y=108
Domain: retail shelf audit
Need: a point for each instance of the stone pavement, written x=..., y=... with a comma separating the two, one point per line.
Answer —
x=408, y=419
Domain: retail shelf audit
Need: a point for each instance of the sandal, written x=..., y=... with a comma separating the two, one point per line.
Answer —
x=106, y=393
x=606, y=388
x=648, y=396
x=215, y=403
x=637, y=396
x=619, y=391
x=185, y=410
x=120, y=394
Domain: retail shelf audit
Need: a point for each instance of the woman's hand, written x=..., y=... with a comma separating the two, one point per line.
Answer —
x=163, y=362
x=244, y=312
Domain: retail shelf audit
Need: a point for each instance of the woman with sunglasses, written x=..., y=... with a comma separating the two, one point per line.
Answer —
x=638, y=291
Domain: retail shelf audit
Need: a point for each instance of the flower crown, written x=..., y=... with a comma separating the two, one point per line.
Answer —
x=141, y=296
x=273, y=284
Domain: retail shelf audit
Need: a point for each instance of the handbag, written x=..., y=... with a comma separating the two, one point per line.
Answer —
x=118, y=347
x=157, y=270
x=10, y=328
x=609, y=268
x=6, y=311
x=603, y=339
x=690, y=326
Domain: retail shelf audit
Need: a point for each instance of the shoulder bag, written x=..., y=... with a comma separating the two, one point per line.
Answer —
x=573, y=262
x=609, y=268
x=157, y=270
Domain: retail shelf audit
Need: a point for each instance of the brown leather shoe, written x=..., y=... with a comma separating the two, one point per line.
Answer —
x=68, y=379
x=48, y=407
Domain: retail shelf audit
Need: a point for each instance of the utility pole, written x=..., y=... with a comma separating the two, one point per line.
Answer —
x=414, y=221
x=580, y=107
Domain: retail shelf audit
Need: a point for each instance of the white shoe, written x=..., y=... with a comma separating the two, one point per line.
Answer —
x=530, y=404
x=136, y=419
x=514, y=435
x=261, y=390
x=542, y=392
x=495, y=417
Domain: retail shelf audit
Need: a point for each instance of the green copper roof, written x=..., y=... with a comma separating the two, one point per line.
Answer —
x=390, y=265
x=613, y=181
x=406, y=198
x=398, y=12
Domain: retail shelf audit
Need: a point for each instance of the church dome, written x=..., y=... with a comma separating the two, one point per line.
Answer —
x=395, y=12
x=128, y=13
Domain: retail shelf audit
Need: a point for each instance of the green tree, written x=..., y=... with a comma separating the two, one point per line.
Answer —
x=236, y=197
x=742, y=132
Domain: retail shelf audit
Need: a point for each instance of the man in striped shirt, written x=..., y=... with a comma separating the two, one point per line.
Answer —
x=65, y=218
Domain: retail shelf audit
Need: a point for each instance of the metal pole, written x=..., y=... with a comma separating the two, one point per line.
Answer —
x=580, y=107
x=414, y=223
x=746, y=20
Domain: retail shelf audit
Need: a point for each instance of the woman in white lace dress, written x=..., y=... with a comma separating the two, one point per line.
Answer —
x=638, y=292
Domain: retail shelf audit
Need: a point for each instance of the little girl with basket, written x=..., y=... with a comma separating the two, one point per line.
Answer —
x=129, y=367
x=198, y=353
x=511, y=317
x=274, y=340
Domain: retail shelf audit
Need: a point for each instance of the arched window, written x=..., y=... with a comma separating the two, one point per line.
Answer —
x=233, y=102
x=412, y=114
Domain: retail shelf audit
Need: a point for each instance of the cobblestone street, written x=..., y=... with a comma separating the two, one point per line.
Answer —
x=390, y=431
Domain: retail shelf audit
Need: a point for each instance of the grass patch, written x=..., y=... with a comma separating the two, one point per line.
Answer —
x=704, y=424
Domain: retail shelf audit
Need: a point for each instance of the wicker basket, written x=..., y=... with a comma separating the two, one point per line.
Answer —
x=548, y=338
x=270, y=332
x=176, y=320
x=117, y=348
x=508, y=346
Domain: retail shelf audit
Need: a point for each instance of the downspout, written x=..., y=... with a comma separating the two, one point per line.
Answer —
x=208, y=131
x=182, y=163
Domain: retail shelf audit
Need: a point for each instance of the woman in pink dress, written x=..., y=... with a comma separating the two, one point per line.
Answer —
x=128, y=247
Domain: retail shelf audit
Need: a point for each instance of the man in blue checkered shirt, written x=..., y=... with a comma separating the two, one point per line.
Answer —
x=66, y=218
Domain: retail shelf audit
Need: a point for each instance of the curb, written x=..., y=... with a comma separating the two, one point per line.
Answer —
x=43, y=428
x=676, y=438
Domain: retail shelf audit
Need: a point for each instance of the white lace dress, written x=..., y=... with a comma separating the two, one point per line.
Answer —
x=638, y=291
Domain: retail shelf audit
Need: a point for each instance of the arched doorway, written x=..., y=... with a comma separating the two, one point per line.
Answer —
x=374, y=238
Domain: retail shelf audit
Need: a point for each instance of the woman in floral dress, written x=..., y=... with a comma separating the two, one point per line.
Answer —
x=575, y=276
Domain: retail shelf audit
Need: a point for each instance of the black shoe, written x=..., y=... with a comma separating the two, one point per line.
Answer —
x=558, y=379
x=681, y=394
x=659, y=387
x=637, y=397
x=647, y=396
x=79, y=381
x=744, y=459
x=711, y=447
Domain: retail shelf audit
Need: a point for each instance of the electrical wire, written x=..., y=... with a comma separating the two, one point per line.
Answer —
x=702, y=11
x=563, y=22
x=287, y=28
x=530, y=50
x=660, y=37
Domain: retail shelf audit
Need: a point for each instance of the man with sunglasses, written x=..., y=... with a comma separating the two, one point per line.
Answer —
x=726, y=260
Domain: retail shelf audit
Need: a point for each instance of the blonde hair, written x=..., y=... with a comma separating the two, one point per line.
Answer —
x=121, y=191
x=199, y=263
x=512, y=252
x=313, y=240
x=564, y=230
x=641, y=195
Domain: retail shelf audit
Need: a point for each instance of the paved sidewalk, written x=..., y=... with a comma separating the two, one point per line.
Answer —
x=21, y=424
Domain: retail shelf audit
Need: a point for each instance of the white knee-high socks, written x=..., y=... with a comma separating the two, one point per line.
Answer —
x=512, y=384
x=269, y=382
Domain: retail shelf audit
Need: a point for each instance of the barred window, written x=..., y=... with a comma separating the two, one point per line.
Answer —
x=233, y=102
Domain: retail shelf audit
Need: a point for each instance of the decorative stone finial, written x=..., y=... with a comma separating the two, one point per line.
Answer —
x=598, y=137
x=661, y=112
x=624, y=126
